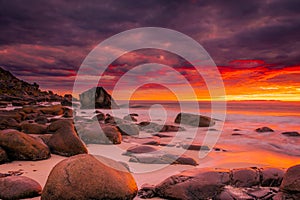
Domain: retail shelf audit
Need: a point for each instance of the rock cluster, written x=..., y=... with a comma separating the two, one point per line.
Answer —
x=244, y=183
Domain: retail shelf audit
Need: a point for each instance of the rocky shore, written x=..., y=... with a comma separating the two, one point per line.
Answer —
x=32, y=132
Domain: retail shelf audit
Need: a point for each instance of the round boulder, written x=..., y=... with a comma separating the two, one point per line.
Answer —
x=19, y=187
x=291, y=180
x=65, y=142
x=245, y=177
x=87, y=177
x=20, y=146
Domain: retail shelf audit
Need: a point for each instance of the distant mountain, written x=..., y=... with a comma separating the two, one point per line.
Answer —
x=21, y=92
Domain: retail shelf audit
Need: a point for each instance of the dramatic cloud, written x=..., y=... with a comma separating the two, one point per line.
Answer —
x=252, y=42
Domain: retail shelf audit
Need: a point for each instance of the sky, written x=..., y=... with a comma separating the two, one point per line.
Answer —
x=254, y=44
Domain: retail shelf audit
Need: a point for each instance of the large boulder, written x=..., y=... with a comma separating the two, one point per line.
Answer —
x=193, y=184
x=97, y=97
x=291, y=180
x=65, y=141
x=194, y=120
x=20, y=146
x=19, y=187
x=85, y=177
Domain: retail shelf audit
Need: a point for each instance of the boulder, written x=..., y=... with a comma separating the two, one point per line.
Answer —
x=291, y=180
x=193, y=184
x=245, y=177
x=194, y=120
x=291, y=134
x=195, y=147
x=97, y=97
x=67, y=100
x=271, y=177
x=67, y=112
x=112, y=134
x=107, y=134
x=256, y=193
x=19, y=187
x=128, y=129
x=146, y=141
x=9, y=123
x=65, y=142
x=147, y=191
x=171, y=128
x=264, y=129
x=20, y=146
x=154, y=127
x=162, y=158
x=33, y=128
x=3, y=156
x=61, y=123
x=140, y=149
x=85, y=177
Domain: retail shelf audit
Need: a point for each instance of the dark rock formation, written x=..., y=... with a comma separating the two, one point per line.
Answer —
x=97, y=97
x=194, y=120
x=22, y=93
x=264, y=129
x=196, y=147
x=291, y=134
x=88, y=177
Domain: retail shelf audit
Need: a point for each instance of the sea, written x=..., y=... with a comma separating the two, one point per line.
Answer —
x=233, y=141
